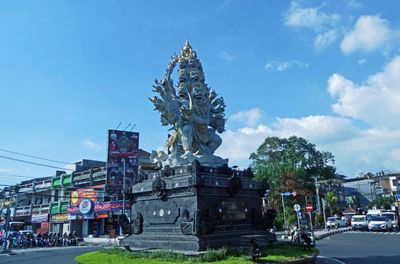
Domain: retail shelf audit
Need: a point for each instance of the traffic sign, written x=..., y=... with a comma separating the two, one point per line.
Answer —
x=296, y=207
x=286, y=193
x=294, y=193
x=309, y=208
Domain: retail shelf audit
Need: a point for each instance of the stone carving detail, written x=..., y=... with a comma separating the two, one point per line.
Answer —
x=205, y=221
x=234, y=185
x=195, y=111
x=187, y=223
x=159, y=187
x=125, y=225
x=137, y=224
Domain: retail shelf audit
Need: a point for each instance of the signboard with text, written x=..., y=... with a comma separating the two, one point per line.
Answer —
x=122, y=159
x=80, y=194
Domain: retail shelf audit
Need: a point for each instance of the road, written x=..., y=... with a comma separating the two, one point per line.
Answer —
x=361, y=248
x=62, y=255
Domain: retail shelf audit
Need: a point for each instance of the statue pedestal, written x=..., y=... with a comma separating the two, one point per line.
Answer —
x=194, y=207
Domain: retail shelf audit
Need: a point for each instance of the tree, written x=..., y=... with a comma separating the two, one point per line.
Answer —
x=383, y=202
x=288, y=164
x=331, y=201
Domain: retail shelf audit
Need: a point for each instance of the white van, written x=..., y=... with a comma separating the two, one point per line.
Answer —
x=393, y=218
x=359, y=222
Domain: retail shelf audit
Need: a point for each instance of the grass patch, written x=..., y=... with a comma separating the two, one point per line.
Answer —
x=276, y=253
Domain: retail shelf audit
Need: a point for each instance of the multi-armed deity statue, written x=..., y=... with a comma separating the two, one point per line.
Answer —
x=194, y=201
x=194, y=111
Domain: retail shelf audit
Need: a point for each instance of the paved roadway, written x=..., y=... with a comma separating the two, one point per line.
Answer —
x=61, y=255
x=361, y=248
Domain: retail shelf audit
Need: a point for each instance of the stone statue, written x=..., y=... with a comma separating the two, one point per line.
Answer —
x=194, y=111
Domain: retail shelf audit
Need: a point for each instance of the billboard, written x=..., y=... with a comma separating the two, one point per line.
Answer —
x=122, y=158
x=79, y=194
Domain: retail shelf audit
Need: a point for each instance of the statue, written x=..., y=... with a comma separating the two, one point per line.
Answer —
x=194, y=111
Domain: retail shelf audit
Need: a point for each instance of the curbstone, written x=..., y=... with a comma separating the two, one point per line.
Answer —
x=333, y=232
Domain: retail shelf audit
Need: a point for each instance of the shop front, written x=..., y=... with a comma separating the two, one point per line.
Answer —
x=96, y=218
x=60, y=223
x=40, y=223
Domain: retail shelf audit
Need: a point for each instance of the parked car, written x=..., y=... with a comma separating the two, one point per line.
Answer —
x=335, y=222
x=393, y=218
x=380, y=223
x=359, y=222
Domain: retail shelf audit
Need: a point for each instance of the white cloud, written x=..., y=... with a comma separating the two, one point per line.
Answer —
x=361, y=61
x=323, y=40
x=249, y=117
x=374, y=146
x=309, y=17
x=355, y=150
x=284, y=65
x=323, y=24
x=369, y=34
x=375, y=102
x=91, y=145
x=226, y=56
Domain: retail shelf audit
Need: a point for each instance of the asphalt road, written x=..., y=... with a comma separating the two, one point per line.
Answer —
x=361, y=248
x=62, y=255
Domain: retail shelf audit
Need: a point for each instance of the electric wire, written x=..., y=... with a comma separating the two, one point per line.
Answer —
x=32, y=156
x=34, y=163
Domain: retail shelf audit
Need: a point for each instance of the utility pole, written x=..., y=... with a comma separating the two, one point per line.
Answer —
x=323, y=207
x=317, y=193
x=123, y=186
x=284, y=211
x=7, y=226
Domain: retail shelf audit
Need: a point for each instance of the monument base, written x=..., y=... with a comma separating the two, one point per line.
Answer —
x=194, y=208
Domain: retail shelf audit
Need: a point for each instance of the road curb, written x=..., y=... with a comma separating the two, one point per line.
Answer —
x=333, y=232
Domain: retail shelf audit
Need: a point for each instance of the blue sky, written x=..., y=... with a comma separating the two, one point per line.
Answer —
x=328, y=71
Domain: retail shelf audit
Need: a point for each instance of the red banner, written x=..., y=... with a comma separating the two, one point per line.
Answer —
x=80, y=194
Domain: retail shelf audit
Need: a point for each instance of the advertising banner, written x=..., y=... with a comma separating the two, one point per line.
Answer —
x=80, y=194
x=59, y=218
x=39, y=218
x=122, y=158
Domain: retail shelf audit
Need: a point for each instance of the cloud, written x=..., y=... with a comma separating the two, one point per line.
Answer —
x=372, y=146
x=91, y=145
x=370, y=33
x=361, y=61
x=355, y=150
x=249, y=117
x=309, y=17
x=323, y=24
x=323, y=40
x=376, y=101
x=284, y=65
x=226, y=56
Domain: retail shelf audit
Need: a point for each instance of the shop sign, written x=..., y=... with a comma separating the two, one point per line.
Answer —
x=85, y=206
x=59, y=218
x=110, y=206
x=80, y=194
x=39, y=218
x=73, y=209
x=102, y=215
x=72, y=217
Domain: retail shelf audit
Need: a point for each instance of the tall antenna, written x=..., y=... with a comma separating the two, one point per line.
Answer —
x=127, y=126
x=118, y=125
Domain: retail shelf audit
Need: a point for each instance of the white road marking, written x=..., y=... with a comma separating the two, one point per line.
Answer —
x=331, y=259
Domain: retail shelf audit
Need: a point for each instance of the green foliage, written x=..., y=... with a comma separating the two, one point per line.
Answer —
x=319, y=219
x=290, y=163
x=275, y=253
x=383, y=202
x=331, y=201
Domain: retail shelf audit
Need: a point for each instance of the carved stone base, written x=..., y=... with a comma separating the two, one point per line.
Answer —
x=195, y=207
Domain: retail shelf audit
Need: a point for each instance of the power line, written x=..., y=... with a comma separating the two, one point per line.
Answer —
x=17, y=175
x=34, y=163
x=35, y=157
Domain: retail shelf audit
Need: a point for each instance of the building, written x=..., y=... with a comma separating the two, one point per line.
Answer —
x=51, y=204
